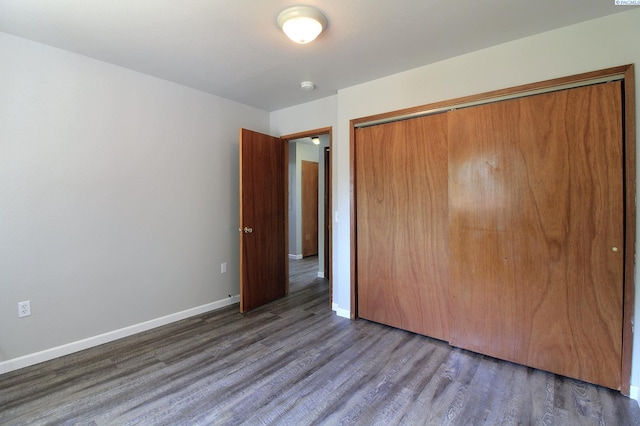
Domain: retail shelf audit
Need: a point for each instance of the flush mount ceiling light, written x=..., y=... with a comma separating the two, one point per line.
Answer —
x=315, y=140
x=302, y=24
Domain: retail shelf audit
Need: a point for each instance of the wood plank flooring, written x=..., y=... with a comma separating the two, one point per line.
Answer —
x=294, y=362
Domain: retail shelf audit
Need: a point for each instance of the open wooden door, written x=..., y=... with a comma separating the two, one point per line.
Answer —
x=264, y=267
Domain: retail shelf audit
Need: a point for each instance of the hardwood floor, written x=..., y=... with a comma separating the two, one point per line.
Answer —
x=294, y=362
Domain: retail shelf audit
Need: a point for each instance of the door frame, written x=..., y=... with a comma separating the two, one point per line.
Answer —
x=308, y=134
x=328, y=264
x=626, y=74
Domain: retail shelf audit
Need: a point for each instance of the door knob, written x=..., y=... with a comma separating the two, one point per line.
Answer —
x=248, y=230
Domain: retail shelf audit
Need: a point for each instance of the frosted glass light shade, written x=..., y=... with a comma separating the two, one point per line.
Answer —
x=302, y=24
x=302, y=30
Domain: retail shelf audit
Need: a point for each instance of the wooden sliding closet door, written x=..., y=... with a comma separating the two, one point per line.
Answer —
x=402, y=238
x=536, y=231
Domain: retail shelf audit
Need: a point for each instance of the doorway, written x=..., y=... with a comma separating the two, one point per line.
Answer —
x=302, y=149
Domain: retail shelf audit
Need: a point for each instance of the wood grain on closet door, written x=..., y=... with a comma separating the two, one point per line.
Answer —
x=402, y=238
x=536, y=231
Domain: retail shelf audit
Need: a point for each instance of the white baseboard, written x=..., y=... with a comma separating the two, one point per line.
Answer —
x=49, y=354
x=320, y=274
x=295, y=256
x=344, y=313
x=634, y=393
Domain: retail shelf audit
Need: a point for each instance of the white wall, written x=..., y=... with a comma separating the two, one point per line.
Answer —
x=597, y=44
x=118, y=200
x=309, y=116
x=293, y=202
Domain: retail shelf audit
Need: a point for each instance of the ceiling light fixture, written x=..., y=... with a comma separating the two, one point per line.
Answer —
x=302, y=24
x=315, y=140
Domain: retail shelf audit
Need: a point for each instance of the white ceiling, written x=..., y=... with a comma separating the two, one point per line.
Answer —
x=234, y=49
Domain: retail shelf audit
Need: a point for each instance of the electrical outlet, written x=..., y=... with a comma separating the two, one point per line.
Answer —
x=223, y=268
x=24, y=309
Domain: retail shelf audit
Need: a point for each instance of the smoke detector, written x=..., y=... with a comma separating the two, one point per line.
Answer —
x=307, y=85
